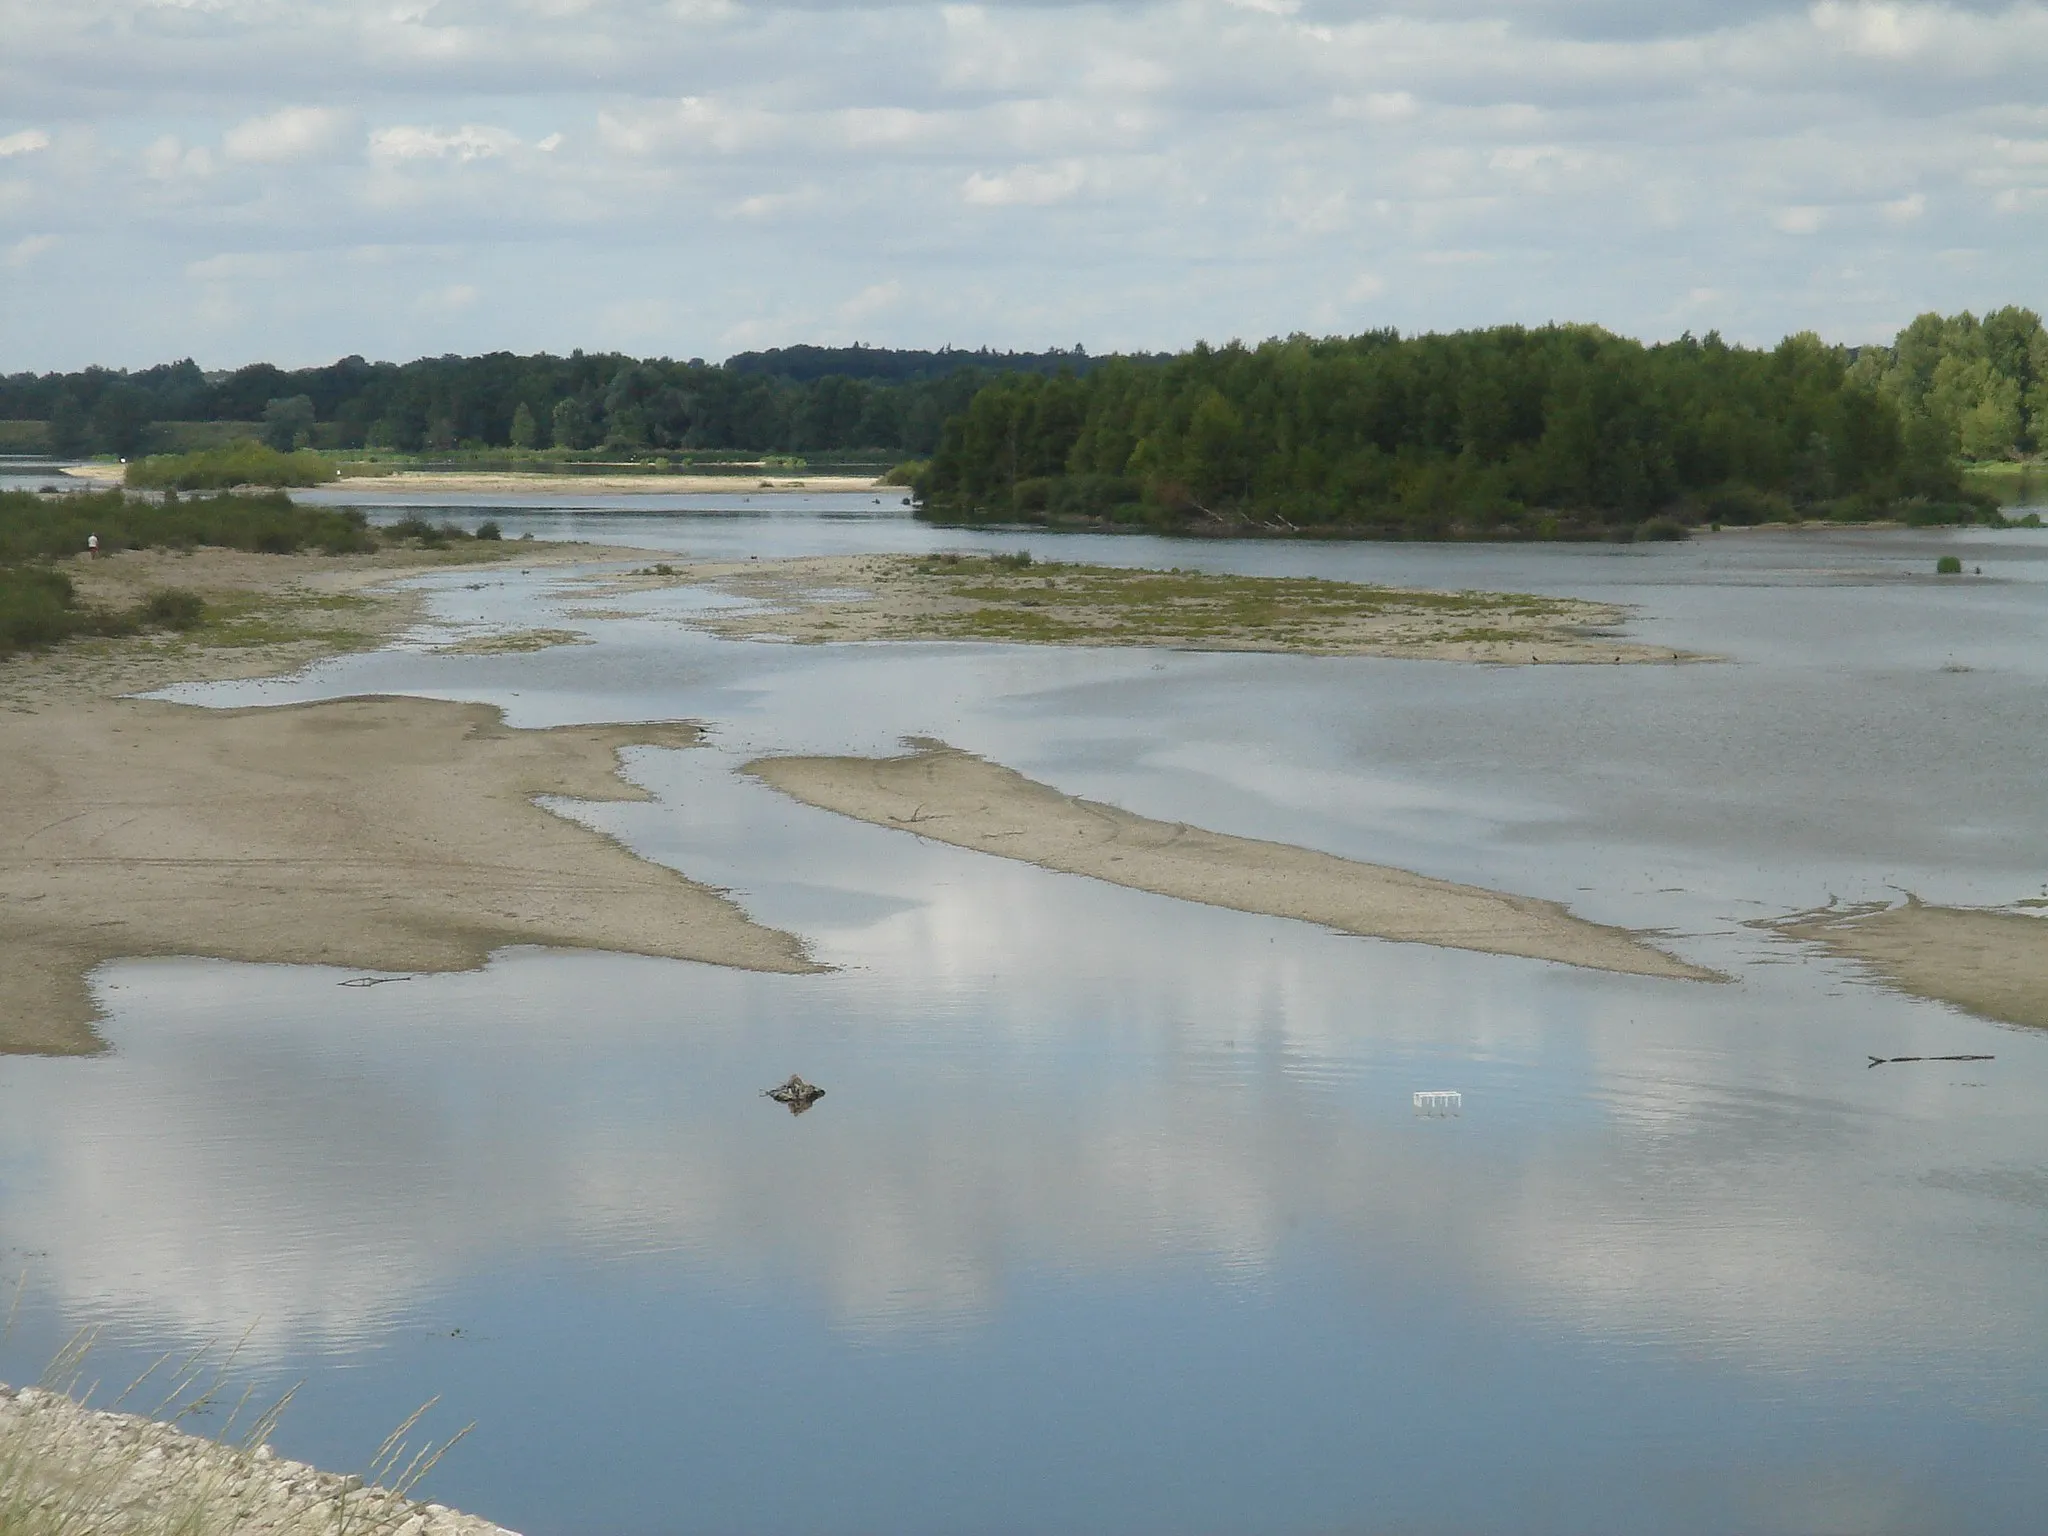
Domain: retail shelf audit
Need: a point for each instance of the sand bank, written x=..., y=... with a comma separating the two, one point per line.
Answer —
x=373, y=833
x=953, y=797
x=412, y=482
x=909, y=597
x=1993, y=964
x=117, y=1472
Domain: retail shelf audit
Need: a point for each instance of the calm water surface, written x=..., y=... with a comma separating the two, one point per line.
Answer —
x=1117, y=1217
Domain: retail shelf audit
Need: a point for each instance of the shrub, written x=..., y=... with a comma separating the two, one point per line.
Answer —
x=489, y=530
x=906, y=473
x=1661, y=530
x=1948, y=565
x=172, y=608
x=34, y=528
x=244, y=463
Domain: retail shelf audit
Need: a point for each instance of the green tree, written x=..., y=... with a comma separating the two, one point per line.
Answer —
x=288, y=422
x=120, y=420
x=525, y=430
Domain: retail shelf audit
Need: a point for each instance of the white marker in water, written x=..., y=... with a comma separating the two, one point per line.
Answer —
x=1440, y=1101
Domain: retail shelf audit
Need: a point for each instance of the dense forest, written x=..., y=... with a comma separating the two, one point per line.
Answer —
x=1559, y=432
x=1510, y=432
x=794, y=400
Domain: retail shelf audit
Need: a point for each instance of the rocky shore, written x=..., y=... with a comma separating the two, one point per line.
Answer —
x=67, y=1470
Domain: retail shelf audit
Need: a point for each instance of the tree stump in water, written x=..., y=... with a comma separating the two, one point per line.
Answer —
x=796, y=1093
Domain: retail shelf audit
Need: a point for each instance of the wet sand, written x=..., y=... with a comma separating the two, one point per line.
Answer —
x=948, y=597
x=957, y=798
x=1990, y=963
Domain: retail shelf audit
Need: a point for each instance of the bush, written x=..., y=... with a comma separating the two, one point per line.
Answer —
x=243, y=463
x=35, y=608
x=906, y=473
x=34, y=528
x=172, y=608
x=1661, y=530
x=489, y=530
x=1948, y=565
x=1744, y=506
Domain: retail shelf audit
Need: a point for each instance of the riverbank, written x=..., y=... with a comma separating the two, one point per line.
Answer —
x=1007, y=598
x=66, y=1470
x=954, y=797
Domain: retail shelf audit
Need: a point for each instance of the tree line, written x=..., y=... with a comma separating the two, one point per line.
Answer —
x=792, y=400
x=1562, y=431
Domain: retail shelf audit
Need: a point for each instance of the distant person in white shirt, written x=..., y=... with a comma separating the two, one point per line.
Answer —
x=92, y=544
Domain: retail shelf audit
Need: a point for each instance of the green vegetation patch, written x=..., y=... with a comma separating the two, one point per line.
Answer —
x=39, y=606
x=36, y=527
x=1015, y=599
x=243, y=463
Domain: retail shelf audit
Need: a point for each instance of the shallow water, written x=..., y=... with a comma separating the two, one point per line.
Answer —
x=1117, y=1216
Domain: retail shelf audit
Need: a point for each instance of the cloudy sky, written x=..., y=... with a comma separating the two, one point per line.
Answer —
x=294, y=180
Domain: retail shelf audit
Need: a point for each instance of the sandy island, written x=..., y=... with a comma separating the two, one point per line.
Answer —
x=954, y=797
x=970, y=597
x=1990, y=963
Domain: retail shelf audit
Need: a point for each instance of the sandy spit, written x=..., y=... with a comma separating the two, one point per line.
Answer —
x=1990, y=963
x=768, y=482
x=380, y=834
x=816, y=599
x=115, y=1472
x=955, y=797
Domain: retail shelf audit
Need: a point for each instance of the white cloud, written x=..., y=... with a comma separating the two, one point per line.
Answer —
x=296, y=133
x=876, y=299
x=27, y=249
x=1026, y=185
x=169, y=159
x=405, y=142
x=1803, y=220
x=26, y=142
x=1905, y=210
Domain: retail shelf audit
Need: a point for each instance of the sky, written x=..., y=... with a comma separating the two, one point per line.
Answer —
x=296, y=180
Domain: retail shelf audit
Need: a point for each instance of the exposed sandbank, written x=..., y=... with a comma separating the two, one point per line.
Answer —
x=954, y=797
x=383, y=834
x=769, y=482
x=951, y=597
x=117, y=1472
x=1993, y=964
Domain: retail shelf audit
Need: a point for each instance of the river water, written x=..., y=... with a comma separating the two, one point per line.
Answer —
x=1117, y=1216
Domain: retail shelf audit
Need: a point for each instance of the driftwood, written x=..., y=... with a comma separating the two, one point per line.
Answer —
x=796, y=1093
x=1884, y=1061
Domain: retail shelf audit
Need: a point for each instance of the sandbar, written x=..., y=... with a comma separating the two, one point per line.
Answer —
x=380, y=834
x=955, y=797
x=1987, y=962
x=817, y=599
x=410, y=482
